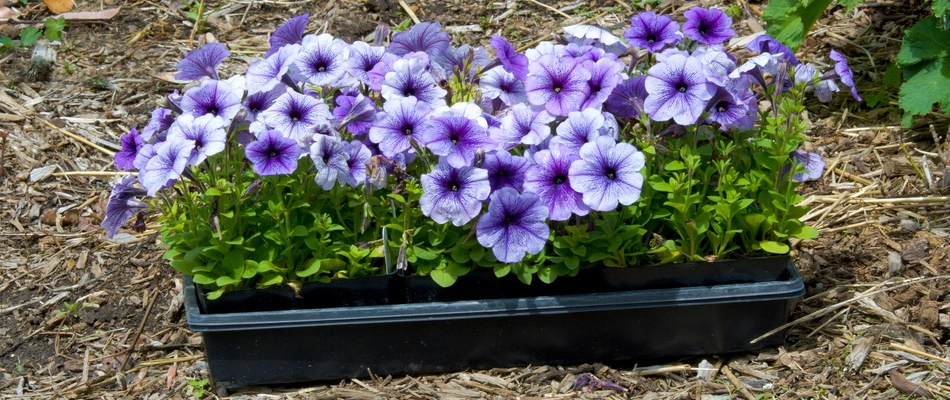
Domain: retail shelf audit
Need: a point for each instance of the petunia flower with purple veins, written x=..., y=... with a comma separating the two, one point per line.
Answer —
x=716, y=62
x=356, y=113
x=605, y=75
x=363, y=58
x=257, y=102
x=273, y=154
x=500, y=84
x=264, y=75
x=545, y=48
x=524, y=124
x=457, y=133
x=595, y=36
x=825, y=90
x=844, y=73
x=427, y=37
x=768, y=44
x=122, y=204
x=514, y=225
x=678, y=90
x=579, y=128
x=322, y=59
x=212, y=97
x=812, y=162
x=330, y=159
x=505, y=170
x=457, y=57
x=584, y=53
x=409, y=78
x=733, y=107
x=296, y=115
x=166, y=166
x=626, y=100
x=161, y=119
x=805, y=75
x=510, y=59
x=453, y=194
x=291, y=32
x=131, y=142
x=206, y=132
x=358, y=156
x=559, y=84
x=652, y=32
x=377, y=75
x=141, y=159
x=708, y=26
x=200, y=63
x=398, y=123
x=548, y=177
x=608, y=173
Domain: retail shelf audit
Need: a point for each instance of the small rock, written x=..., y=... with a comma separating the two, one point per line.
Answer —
x=915, y=249
x=910, y=225
x=705, y=371
x=41, y=173
x=944, y=321
x=893, y=262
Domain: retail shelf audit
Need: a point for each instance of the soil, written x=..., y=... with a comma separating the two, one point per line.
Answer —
x=72, y=303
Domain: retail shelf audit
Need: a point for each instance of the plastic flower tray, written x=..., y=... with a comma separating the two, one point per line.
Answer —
x=409, y=325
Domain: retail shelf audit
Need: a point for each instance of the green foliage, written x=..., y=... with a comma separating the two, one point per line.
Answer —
x=790, y=20
x=734, y=11
x=199, y=387
x=404, y=25
x=53, y=28
x=925, y=61
x=73, y=309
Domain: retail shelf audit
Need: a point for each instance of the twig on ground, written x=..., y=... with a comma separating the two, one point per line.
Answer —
x=919, y=353
x=552, y=9
x=735, y=381
x=412, y=15
x=138, y=332
x=81, y=139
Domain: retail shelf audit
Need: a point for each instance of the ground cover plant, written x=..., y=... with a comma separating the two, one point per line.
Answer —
x=332, y=160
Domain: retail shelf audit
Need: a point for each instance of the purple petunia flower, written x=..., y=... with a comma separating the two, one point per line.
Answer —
x=330, y=159
x=707, y=26
x=356, y=113
x=505, y=170
x=166, y=166
x=652, y=32
x=716, y=62
x=557, y=84
x=813, y=163
x=805, y=75
x=500, y=84
x=409, y=78
x=122, y=204
x=161, y=119
x=257, y=102
x=608, y=173
x=626, y=100
x=844, y=73
x=377, y=75
x=296, y=115
x=453, y=194
x=206, y=132
x=579, y=128
x=768, y=44
x=427, y=37
x=454, y=57
x=321, y=60
x=524, y=124
x=363, y=58
x=733, y=107
x=514, y=225
x=595, y=36
x=510, y=59
x=291, y=32
x=398, y=123
x=273, y=154
x=677, y=90
x=212, y=97
x=825, y=90
x=545, y=48
x=549, y=178
x=141, y=159
x=457, y=133
x=358, y=156
x=131, y=142
x=605, y=75
x=264, y=75
x=200, y=63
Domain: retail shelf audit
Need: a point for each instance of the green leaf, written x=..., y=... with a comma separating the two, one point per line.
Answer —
x=774, y=247
x=270, y=280
x=502, y=270
x=675, y=165
x=54, y=28
x=790, y=20
x=443, y=277
x=203, y=279
x=309, y=268
x=211, y=192
x=572, y=262
x=850, y=3
x=28, y=36
x=940, y=7
x=807, y=233
x=226, y=280
x=250, y=269
x=332, y=264
x=924, y=41
x=892, y=76
x=299, y=231
x=184, y=266
x=424, y=253
x=476, y=253
x=461, y=255
x=927, y=83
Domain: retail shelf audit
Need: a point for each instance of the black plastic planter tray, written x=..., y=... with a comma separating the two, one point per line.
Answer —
x=696, y=309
